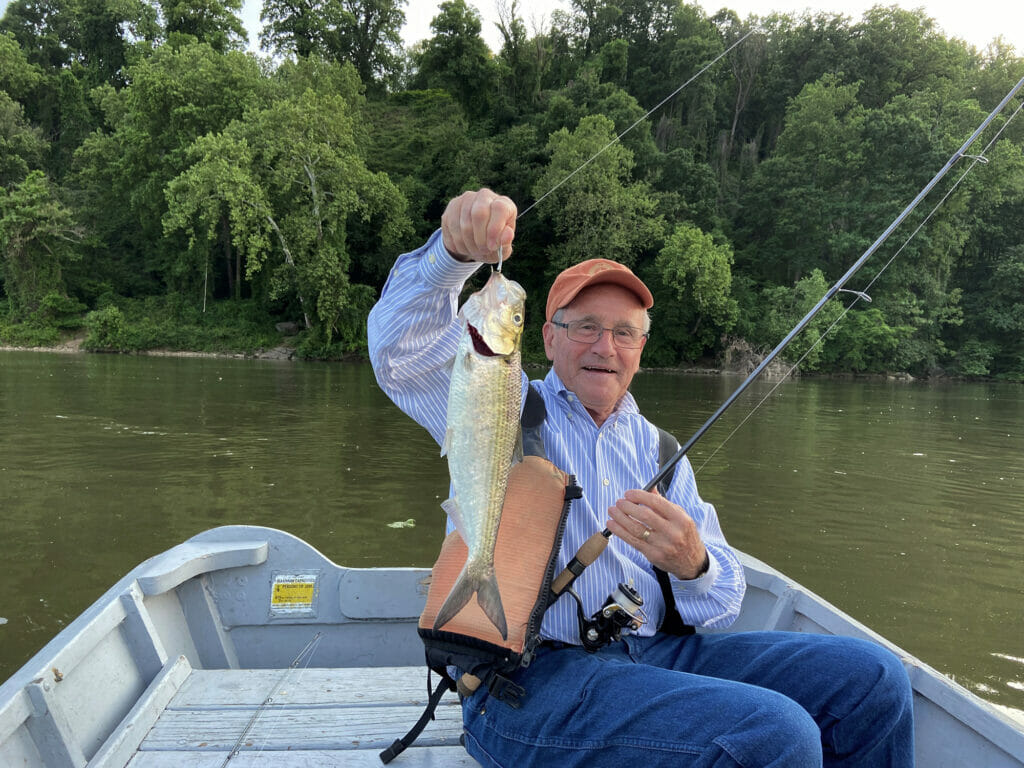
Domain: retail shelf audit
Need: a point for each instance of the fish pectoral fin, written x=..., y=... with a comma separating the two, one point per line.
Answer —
x=451, y=506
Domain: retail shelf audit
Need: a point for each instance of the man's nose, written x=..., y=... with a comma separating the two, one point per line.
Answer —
x=604, y=344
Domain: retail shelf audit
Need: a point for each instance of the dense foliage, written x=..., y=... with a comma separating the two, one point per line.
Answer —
x=160, y=185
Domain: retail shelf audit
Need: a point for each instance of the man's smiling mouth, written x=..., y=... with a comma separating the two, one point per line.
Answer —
x=597, y=369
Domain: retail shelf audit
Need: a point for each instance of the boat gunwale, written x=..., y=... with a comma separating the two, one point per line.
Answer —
x=793, y=606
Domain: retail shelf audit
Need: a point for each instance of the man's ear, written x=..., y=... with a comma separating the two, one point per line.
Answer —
x=549, y=340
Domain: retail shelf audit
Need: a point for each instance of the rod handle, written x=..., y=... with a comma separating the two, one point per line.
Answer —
x=587, y=554
x=467, y=684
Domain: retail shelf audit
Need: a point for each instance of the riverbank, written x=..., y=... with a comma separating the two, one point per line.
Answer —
x=775, y=371
x=73, y=345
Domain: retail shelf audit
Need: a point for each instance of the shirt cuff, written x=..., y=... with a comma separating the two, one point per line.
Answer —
x=440, y=269
x=699, y=586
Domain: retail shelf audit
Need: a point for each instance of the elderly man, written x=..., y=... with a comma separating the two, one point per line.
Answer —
x=660, y=698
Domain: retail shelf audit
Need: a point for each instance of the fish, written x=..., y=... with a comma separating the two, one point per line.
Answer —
x=483, y=438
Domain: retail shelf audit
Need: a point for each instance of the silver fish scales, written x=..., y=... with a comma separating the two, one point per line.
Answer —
x=482, y=439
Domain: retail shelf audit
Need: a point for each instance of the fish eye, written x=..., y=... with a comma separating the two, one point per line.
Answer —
x=517, y=319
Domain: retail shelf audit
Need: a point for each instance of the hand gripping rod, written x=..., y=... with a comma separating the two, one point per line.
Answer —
x=596, y=544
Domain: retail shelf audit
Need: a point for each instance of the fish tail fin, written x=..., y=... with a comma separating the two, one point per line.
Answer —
x=489, y=598
x=487, y=595
x=461, y=592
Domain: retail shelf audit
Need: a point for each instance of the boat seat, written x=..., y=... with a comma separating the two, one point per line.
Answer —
x=300, y=717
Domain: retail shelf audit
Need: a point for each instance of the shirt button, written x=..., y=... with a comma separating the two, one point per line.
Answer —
x=606, y=481
x=431, y=258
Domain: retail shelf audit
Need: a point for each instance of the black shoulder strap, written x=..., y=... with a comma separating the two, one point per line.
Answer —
x=673, y=623
x=667, y=447
x=534, y=413
x=433, y=698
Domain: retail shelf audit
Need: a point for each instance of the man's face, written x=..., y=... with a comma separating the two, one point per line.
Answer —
x=600, y=373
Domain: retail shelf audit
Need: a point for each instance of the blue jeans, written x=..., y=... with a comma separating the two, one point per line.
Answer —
x=747, y=699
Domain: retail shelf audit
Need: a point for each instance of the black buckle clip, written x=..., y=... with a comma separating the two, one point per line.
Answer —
x=505, y=690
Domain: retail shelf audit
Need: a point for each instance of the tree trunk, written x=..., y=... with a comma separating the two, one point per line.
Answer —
x=225, y=235
x=291, y=263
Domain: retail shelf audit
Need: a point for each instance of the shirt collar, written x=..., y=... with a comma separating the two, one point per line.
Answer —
x=625, y=405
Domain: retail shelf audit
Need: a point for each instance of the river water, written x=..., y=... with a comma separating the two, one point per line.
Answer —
x=901, y=503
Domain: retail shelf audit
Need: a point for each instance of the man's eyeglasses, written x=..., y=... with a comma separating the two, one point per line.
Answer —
x=589, y=332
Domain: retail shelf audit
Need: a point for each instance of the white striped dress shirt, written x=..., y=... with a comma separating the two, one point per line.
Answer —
x=413, y=334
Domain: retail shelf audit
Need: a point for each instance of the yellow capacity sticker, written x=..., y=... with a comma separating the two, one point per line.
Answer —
x=293, y=593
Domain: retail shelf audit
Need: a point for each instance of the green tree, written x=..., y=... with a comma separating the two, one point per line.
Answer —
x=18, y=77
x=221, y=207
x=43, y=29
x=422, y=141
x=175, y=96
x=780, y=308
x=864, y=342
x=301, y=28
x=990, y=270
x=522, y=62
x=699, y=308
x=585, y=96
x=456, y=59
x=369, y=35
x=594, y=25
x=800, y=49
x=37, y=238
x=22, y=147
x=801, y=209
x=601, y=211
x=108, y=35
x=901, y=52
x=214, y=22
x=290, y=182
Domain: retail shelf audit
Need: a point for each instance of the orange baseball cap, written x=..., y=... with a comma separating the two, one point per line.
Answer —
x=571, y=281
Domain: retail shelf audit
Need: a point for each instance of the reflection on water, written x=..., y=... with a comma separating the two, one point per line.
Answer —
x=899, y=503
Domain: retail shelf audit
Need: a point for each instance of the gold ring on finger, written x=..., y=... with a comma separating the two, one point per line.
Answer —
x=646, y=534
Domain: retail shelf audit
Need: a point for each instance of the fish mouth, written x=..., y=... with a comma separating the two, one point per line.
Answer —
x=479, y=344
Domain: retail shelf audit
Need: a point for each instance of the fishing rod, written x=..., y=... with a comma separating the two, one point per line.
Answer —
x=304, y=657
x=596, y=544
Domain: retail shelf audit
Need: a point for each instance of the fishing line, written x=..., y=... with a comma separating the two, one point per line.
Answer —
x=651, y=111
x=595, y=545
x=307, y=654
x=863, y=295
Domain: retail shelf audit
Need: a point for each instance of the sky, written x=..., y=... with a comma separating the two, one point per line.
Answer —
x=978, y=21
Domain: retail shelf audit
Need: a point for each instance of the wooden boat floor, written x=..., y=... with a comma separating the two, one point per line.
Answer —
x=314, y=717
